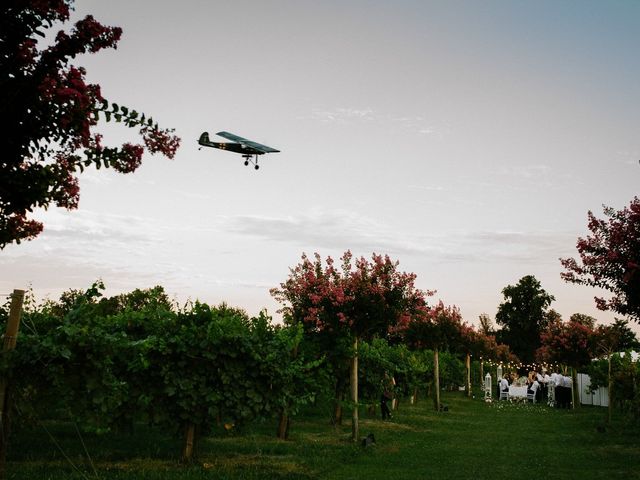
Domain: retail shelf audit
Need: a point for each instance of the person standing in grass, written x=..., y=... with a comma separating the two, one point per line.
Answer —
x=388, y=384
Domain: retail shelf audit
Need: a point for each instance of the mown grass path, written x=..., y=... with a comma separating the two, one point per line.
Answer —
x=473, y=440
x=500, y=440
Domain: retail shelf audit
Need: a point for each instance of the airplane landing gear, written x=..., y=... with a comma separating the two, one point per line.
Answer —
x=249, y=159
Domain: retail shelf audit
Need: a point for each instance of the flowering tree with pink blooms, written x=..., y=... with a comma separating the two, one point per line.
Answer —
x=474, y=343
x=610, y=259
x=567, y=343
x=50, y=114
x=359, y=300
x=437, y=328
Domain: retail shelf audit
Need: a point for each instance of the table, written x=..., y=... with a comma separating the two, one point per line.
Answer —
x=517, y=391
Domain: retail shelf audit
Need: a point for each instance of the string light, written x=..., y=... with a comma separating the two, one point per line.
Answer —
x=531, y=366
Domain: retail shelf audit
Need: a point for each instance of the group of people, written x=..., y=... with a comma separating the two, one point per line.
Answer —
x=539, y=385
x=563, y=386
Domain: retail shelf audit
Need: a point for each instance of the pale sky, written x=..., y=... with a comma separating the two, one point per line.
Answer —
x=466, y=139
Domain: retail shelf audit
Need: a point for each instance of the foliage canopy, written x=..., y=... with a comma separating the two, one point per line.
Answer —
x=50, y=114
x=610, y=259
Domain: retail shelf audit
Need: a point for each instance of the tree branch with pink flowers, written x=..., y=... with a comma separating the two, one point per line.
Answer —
x=50, y=115
x=610, y=259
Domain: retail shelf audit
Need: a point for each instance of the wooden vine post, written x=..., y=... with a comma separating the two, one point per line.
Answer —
x=354, y=391
x=10, y=337
x=468, y=367
x=610, y=387
x=436, y=379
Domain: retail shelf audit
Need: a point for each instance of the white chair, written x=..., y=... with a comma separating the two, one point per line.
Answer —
x=504, y=394
x=531, y=394
x=487, y=387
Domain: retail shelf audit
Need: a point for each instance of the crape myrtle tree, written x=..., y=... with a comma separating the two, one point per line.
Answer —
x=470, y=343
x=610, y=259
x=582, y=319
x=523, y=316
x=50, y=114
x=567, y=343
x=474, y=343
x=439, y=329
x=607, y=343
x=610, y=339
x=360, y=300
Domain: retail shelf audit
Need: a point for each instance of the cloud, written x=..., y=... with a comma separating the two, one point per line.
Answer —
x=349, y=115
x=347, y=230
x=324, y=230
x=528, y=172
x=523, y=247
x=342, y=115
x=91, y=241
x=431, y=188
x=193, y=195
x=628, y=156
x=130, y=252
x=89, y=228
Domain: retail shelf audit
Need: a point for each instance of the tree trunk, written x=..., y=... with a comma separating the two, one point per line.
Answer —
x=415, y=395
x=284, y=420
x=189, y=442
x=283, y=426
x=468, y=365
x=610, y=386
x=436, y=380
x=482, y=372
x=575, y=395
x=354, y=391
x=337, y=407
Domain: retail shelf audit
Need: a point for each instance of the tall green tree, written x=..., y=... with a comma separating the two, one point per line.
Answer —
x=582, y=319
x=626, y=338
x=523, y=316
x=486, y=324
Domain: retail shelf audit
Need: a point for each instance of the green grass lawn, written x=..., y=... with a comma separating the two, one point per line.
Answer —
x=472, y=440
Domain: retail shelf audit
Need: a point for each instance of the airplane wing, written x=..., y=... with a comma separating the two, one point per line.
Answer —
x=232, y=147
x=260, y=149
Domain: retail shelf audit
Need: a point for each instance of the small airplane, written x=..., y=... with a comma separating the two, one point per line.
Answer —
x=249, y=150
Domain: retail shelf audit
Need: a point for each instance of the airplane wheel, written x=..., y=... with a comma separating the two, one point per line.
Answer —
x=257, y=167
x=246, y=163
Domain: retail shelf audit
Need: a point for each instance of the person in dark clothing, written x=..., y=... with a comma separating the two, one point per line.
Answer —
x=388, y=383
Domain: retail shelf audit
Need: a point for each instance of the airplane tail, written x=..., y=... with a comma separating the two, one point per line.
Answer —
x=204, y=139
